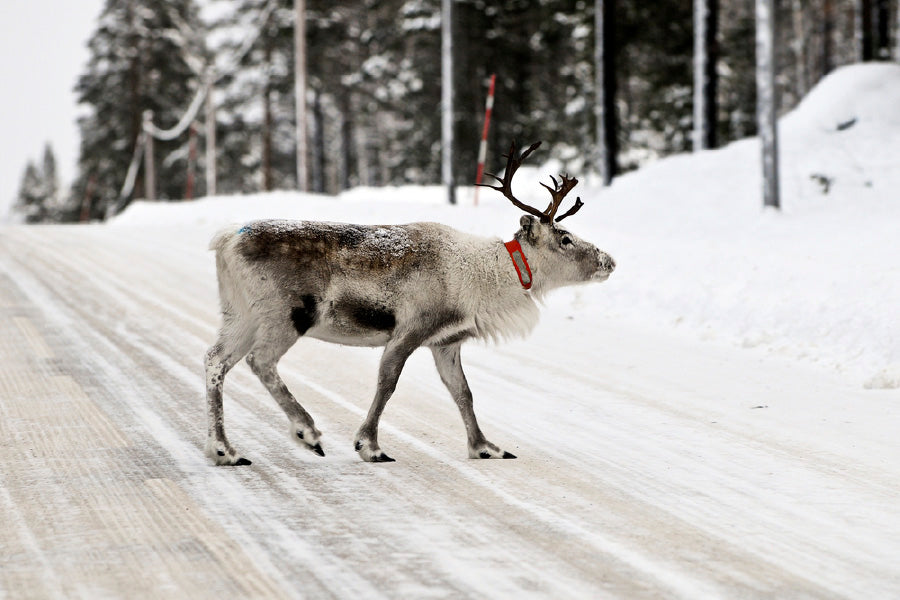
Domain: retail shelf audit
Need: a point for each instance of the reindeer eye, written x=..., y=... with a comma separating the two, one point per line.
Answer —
x=566, y=240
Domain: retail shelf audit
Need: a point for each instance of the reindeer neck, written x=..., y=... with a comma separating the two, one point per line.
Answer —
x=502, y=307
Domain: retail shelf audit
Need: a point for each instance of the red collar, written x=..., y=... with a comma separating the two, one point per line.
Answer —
x=519, y=262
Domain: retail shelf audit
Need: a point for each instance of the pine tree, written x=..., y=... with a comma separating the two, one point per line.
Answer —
x=30, y=202
x=140, y=59
x=257, y=112
x=50, y=179
x=387, y=86
x=38, y=197
x=374, y=83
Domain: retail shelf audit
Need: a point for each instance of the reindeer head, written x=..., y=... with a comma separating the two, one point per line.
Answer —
x=557, y=256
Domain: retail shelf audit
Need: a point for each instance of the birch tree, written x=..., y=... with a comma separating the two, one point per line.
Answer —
x=139, y=60
x=447, y=99
x=765, y=99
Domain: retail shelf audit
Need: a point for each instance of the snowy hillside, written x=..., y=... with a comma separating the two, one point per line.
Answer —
x=695, y=251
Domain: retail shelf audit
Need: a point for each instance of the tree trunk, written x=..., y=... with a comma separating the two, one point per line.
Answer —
x=134, y=91
x=883, y=30
x=827, y=37
x=191, y=162
x=318, y=162
x=605, y=89
x=801, y=77
x=765, y=99
x=149, y=164
x=267, y=140
x=863, y=30
x=706, y=14
x=210, y=155
x=347, y=147
x=447, y=100
x=267, y=119
x=300, y=91
x=897, y=36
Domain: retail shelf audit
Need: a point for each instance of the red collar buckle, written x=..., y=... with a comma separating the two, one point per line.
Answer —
x=519, y=262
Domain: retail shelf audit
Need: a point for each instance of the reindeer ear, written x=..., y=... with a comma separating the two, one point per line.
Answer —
x=529, y=228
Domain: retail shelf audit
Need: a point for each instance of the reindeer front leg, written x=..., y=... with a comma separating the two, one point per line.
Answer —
x=449, y=366
x=395, y=354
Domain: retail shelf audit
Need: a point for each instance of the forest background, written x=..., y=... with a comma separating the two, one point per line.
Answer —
x=374, y=88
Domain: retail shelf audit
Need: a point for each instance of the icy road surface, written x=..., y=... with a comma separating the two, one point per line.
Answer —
x=649, y=466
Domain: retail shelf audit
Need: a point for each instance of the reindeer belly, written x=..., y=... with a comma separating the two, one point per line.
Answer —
x=354, y=322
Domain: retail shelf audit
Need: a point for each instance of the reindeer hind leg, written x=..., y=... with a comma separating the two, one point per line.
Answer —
x=270, y=346
x=235, y=339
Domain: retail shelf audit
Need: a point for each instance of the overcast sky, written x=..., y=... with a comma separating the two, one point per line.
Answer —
x=42, y=53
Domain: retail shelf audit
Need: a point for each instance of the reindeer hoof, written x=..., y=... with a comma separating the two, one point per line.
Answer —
x=370, y=452
x=224, y=455
x=224, y=460
x=488, y=450
x=307, y=436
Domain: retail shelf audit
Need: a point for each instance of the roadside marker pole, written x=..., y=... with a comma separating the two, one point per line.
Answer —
x=482, y=149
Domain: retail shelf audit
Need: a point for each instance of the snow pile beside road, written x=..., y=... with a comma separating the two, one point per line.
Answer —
x=821, y=280
x=695, y=251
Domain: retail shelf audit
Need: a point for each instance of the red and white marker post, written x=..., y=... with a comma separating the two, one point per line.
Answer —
x=482, y=149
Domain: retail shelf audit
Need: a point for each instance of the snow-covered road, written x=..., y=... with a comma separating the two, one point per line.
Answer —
x=649, y=466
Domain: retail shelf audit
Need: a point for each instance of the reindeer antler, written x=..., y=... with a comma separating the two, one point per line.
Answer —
x=505, y=187
x=557, y=192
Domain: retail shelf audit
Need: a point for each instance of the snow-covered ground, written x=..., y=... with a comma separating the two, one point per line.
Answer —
x=717, y=420
x=819, y=281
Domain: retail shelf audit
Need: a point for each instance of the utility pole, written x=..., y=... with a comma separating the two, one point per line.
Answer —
x=300, y=90
x=447, y=99
x=765, y=99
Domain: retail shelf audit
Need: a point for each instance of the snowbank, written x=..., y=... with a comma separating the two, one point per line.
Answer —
x=695, y=251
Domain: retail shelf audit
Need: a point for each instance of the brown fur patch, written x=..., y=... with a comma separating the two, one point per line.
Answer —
x=343, y=247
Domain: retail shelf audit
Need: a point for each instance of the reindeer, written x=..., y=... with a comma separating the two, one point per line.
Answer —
x=396, y=286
